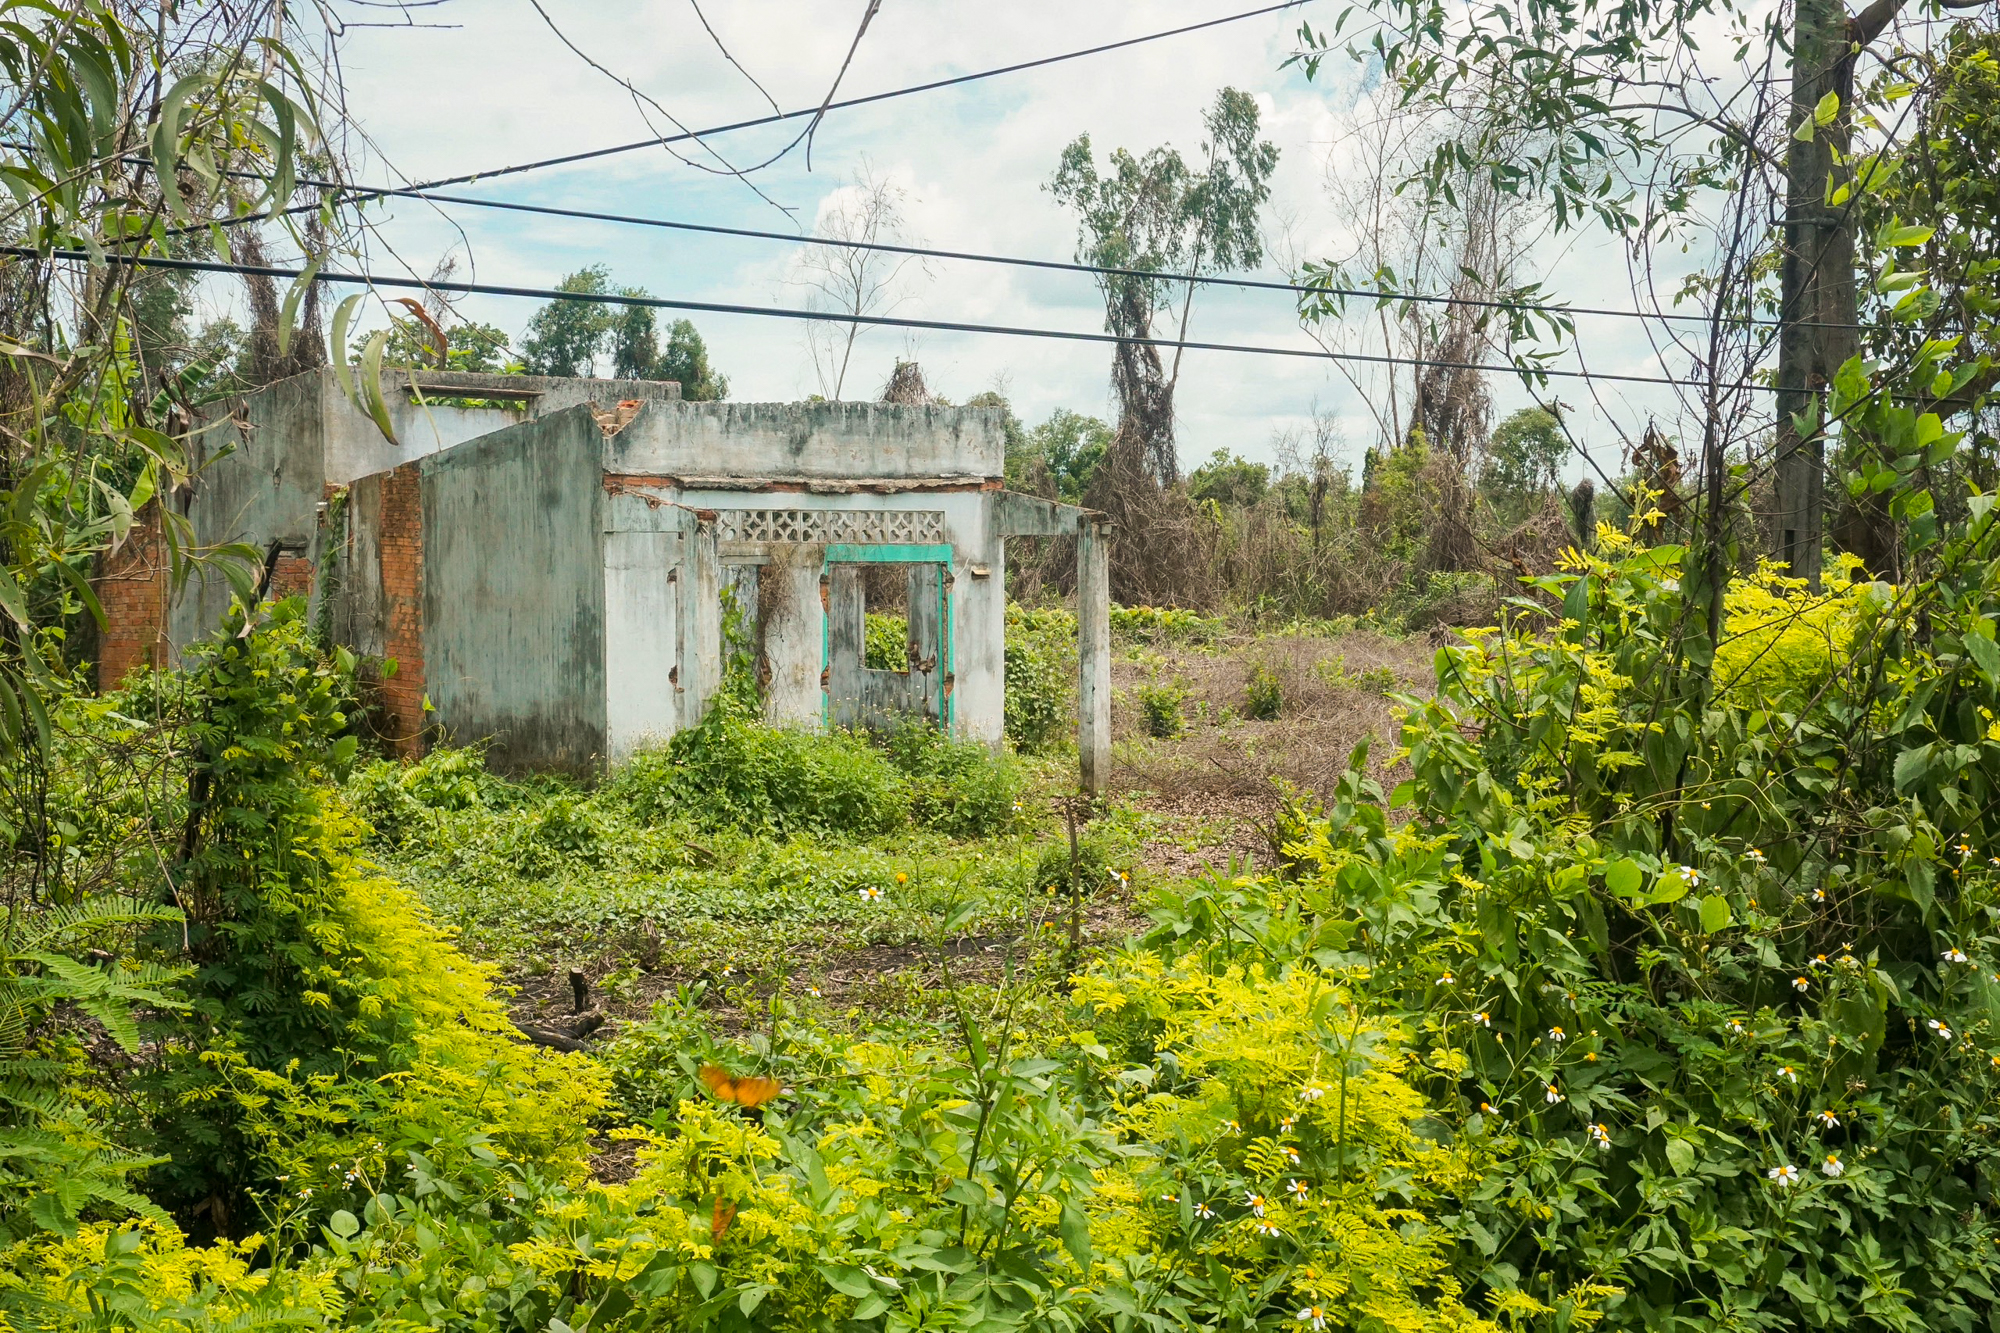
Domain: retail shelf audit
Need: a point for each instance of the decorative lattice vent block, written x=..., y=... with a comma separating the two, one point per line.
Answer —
x=863, y=526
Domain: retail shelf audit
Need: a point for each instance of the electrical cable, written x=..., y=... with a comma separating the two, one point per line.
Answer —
x=1062, y=266
x=1051, y=265
x=592, y=154
x=835, y=317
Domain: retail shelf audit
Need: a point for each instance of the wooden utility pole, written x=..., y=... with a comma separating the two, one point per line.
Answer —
x=1817, y=308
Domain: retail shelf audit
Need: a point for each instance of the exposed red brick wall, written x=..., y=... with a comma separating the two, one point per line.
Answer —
x=132, y=584
x=401, y=543
x=292, y=575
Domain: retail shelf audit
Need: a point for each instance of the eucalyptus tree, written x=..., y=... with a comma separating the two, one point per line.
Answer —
x=1159, y=214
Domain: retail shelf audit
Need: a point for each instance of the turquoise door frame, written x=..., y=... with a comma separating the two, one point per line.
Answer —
x=855, y=553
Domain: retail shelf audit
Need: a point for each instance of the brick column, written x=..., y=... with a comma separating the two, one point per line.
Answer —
x=133, y=584
x=401, y=544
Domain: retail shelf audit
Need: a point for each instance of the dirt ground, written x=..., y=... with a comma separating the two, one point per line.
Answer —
x=1333, y=692
x=1206, y=795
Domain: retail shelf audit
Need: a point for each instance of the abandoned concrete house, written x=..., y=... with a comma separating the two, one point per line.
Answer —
x=547, y=561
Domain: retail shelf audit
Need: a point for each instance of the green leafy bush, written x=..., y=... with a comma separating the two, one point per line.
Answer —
x=1264, y=694
x=1040, y=676
x=1369, y=680
x=885, y=642
x=325, y=1016
x=960, y=788
x=1160, y=709
x=1717, y=983
x=1163, y=625
x=733, y=770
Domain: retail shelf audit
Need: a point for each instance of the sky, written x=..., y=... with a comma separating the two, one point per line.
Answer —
x=491, y=85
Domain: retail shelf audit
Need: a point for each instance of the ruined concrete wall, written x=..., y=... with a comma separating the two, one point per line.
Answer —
x=698, y=442
x=513, y=568
x=645, y=583
x=258, y=479
x=794, y=618
x=267, y=458
x=792, y=625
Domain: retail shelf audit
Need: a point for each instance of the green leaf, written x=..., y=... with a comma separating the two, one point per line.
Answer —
x=1670, y=888
x=1985, y=654
x=1623, y=877
x=343, y=1224
x=1074, y=1229
x=343, y=314
x=1911, y=765
x=1715, y=913
x=847, y=1280
x=1680, y=1156
x=288, y=316
x=371, y=386
x=1828, y=108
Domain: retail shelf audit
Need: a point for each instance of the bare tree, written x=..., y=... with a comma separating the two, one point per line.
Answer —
x=844, y=278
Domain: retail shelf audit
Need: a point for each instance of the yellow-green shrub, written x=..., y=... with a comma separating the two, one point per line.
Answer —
x=1781, y=641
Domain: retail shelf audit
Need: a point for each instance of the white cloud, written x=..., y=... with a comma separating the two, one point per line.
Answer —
x=501, y=89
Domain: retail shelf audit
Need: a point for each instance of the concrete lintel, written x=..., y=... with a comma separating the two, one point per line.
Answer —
x=480, y=384
x=1017, y=515
x=817, y=485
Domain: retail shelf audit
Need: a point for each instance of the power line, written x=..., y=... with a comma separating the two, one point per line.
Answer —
x=834, y=317
x=427, y=195
x=1056, y=265
x=661, y=141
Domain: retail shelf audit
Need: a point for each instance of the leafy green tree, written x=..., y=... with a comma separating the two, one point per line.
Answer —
x=1229, y=480
x=1157, y=214
x=1523, y=458
x=686, y=363
x=479, y=348
x=564, y=337
x=1071, y=446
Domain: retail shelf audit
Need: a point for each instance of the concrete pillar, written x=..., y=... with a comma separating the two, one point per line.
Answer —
x=1093, y=654
x=701, y=617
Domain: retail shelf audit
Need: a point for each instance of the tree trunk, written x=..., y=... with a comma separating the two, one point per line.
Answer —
x=1818, y=305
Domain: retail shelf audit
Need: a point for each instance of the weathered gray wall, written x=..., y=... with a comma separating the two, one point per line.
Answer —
x=268, y=456
x=827, y=441
x=514, y=593
x=257, y=479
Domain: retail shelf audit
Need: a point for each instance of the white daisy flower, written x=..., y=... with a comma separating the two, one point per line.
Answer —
x=1600, y=1135
x=1784, y=1177
x=1832, y=1167
x=1829, y=1119
x=1954, y=955
x=1256, y=1203
x=1938, y=1028
x=1312, y=1317
x=1785, y=1072
x=1552, y=1096
x=1296, y=1188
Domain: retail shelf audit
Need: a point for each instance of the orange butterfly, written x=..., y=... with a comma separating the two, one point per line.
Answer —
x=746, y=1090
x=725, y=1213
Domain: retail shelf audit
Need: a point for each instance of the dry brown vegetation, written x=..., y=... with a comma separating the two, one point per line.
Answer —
x=1333, y=692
